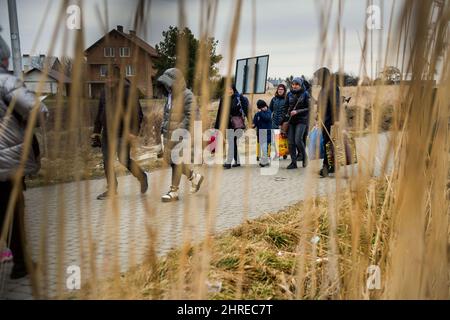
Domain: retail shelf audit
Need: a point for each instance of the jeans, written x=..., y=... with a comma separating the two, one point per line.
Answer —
x=233, y=152
x=264, y=152
x=17, y=245
x=123, y=151
x=296, y=135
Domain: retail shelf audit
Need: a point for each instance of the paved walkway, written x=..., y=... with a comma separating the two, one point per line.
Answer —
x=86, y=218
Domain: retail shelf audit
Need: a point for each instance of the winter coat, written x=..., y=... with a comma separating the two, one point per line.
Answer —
x=106, y=112
x=263, y=120
x=299, y=101
x=13, y=126
x=236, y=102
x=176, y=118
x=276, y=106
x=328, y=108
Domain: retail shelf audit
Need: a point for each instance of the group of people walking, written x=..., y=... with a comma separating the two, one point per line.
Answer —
x=289, y=113
x=118, y=123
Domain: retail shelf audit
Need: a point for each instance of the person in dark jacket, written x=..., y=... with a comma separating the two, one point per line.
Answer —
x=178, y=110
x=117, y=132
x=296, y=110
x=17, y=104
x=328, y=107
x=276, y=106
x=238, y=106
x=262, y=121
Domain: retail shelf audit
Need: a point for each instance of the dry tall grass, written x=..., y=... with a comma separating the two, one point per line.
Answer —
x=400, y=226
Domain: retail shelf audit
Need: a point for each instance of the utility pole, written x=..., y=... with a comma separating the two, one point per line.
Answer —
x=15, y=40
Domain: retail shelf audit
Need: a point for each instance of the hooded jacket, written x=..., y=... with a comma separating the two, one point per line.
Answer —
x=176, y=117
x=13, y=126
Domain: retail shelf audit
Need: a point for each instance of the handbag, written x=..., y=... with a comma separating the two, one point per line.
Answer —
x=238, y=122
x=285, y=127
x=283, y=147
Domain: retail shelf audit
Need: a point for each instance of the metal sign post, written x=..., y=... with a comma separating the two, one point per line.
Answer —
x=15, y=39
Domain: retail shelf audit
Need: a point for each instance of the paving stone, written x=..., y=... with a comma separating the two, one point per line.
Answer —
x=264, y=195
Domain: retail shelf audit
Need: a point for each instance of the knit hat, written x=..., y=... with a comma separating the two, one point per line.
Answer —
x=261, y=104
x=5, y=53
x=298, y=80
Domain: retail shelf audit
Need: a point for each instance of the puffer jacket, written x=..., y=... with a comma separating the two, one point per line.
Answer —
x=277, y=107
x=13, y=126
x=176, y=118
x=300, y=102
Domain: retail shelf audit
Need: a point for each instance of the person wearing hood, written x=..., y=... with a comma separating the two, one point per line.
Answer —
x=16, y=106
x=178, y=110
x=116, y=131
x=328, y=107
x=296, y=111
x=238, y=108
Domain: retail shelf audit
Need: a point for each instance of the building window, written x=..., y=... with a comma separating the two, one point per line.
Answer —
x=124, y=52
x=103, y=70
x=109, y=52
x=129, y=70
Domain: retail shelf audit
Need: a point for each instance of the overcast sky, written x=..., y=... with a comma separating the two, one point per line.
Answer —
x=287, y=30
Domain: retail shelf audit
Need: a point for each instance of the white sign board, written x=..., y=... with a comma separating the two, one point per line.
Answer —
x=251, y=75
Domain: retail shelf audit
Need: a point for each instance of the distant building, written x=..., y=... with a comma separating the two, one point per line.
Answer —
x=133, y=55
x=276, y=82
x=29, y=62
x=50, y=82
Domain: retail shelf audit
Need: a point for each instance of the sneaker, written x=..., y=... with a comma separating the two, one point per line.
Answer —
x=227, y=166
x=196, y=182
x=293, y=165
x=105, y=195
x=144, y=184
x=170, y=196
x=236, y=165
x=6, y=256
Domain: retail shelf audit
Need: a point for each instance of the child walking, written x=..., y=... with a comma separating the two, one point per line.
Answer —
x=262, y=121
